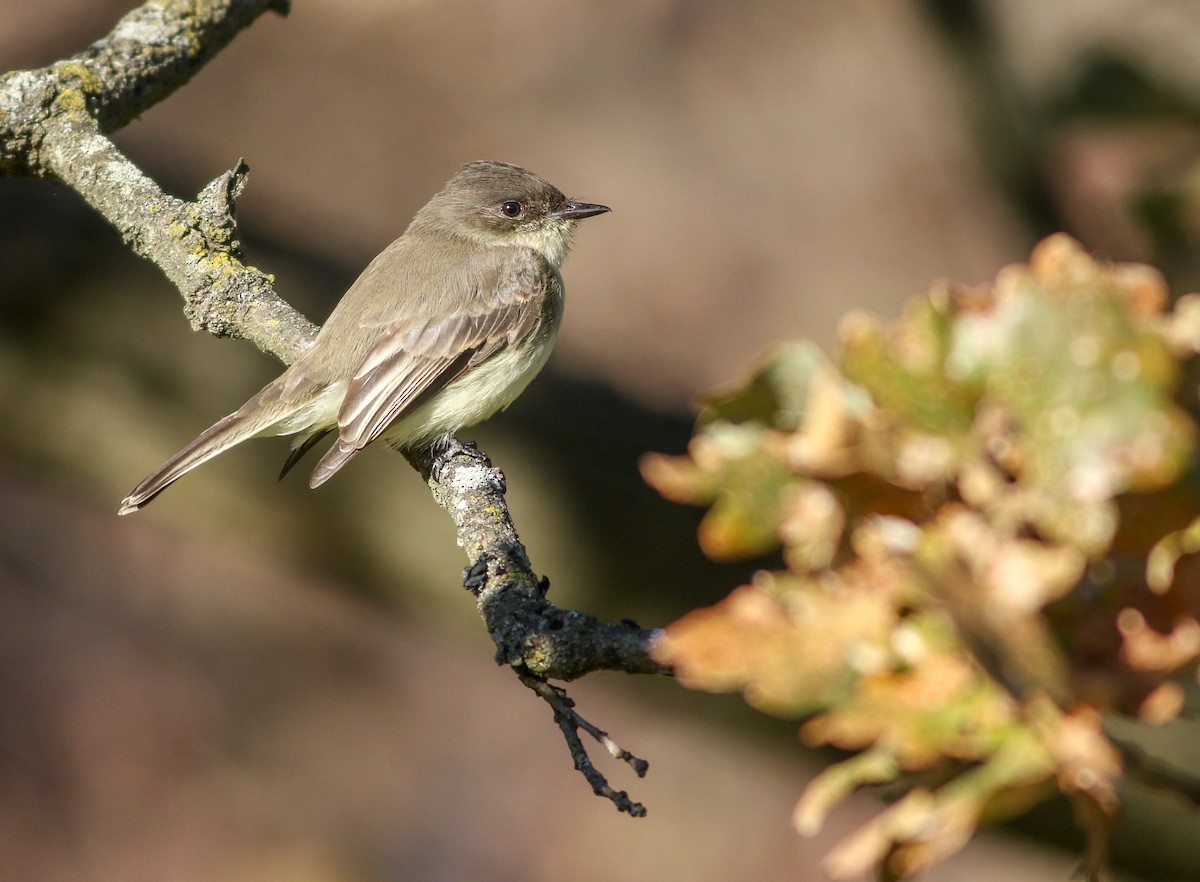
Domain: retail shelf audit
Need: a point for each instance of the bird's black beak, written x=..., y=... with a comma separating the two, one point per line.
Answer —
x=575, y=210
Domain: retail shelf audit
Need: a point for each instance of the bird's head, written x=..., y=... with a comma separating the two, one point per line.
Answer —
x=497, y=204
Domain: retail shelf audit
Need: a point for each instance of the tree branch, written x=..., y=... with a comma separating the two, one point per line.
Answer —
x=569, y=722
x=196, y=244
x=53, y=123
x=150, y=53
x=530, y=632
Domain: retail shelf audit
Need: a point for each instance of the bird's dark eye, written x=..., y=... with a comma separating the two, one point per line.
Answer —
x=511, y=209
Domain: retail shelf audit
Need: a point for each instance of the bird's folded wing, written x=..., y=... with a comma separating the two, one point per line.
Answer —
x=410, y=362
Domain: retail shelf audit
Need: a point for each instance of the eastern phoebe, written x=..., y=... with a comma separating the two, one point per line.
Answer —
x=444, y=328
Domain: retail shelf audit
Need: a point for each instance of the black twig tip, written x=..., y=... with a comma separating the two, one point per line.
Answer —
x=569, y=723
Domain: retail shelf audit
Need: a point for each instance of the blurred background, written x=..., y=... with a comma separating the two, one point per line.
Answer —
x=252, y=681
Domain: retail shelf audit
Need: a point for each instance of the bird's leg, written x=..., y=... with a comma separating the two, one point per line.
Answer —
x=446, y=448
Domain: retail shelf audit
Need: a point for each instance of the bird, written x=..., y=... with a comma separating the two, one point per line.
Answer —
x=445, y=327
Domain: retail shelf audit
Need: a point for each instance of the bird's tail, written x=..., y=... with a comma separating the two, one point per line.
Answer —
x=256, y=416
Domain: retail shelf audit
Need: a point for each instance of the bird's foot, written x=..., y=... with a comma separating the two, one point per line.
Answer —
x=446, y=448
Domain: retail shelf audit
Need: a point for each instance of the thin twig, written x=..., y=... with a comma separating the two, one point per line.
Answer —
x=570, y=722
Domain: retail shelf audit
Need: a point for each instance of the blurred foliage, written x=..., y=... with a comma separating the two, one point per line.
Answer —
x=987, y=522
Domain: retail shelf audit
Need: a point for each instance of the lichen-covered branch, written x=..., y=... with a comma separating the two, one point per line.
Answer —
x=151, y=52
x=196, y=244
x=53, y=124
x=530, y=632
